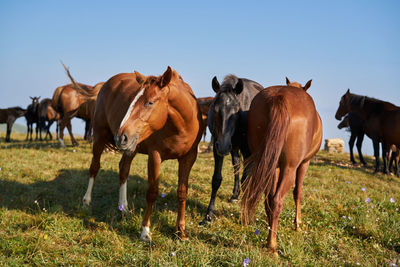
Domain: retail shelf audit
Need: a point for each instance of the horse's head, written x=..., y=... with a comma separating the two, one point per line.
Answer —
x=344, y=123
x=226, y=113
x=147, y=112
x=35, y=100
x=344, y=105
x=298, y=85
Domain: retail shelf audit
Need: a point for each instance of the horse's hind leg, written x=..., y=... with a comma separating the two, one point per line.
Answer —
x=185, y=165
x=74, y=143
x=94, y=169
x=376, y=154
x=153, y=166
x=298, y=193
x=236, y=167
x=287, y=178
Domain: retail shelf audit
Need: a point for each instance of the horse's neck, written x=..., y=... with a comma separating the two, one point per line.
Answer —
x=180, y=108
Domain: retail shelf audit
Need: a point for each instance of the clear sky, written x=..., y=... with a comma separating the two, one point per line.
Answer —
x=338, y=44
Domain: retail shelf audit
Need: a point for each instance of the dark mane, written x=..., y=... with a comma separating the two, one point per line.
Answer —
x=370, y=105
x=229, y=83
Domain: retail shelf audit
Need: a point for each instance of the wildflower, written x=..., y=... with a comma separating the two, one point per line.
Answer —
x=0, y=168
x=74, y=150
x=257, y=232
x=173, y=254
x=36, y=202
x=363, y=189
x=347, y=182
x=344, y=217
x=121, y=207
x=246, y=262
x=392, y=200
x=367, y=200
x=392, y=264
x=163, y=195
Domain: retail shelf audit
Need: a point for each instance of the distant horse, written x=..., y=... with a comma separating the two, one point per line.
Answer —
x=49, y=115
x=382, y=122
x=157, y=116
x=227, y=121
x=356, y=125
x=9, y=115
x=284, y=133
x=31, y=117
x=75, y=100
x=205, y=103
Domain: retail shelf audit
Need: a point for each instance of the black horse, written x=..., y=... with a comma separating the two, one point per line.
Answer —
x=356, y=125
x=9, y=115
x=32, y=116
x=227, y=121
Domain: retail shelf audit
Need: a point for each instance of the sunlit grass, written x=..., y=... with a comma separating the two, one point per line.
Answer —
x=42, y=220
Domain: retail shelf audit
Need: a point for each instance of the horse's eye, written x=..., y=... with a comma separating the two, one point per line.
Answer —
x=149, y=104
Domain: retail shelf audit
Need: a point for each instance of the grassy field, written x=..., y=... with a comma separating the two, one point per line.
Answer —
x=350, y=215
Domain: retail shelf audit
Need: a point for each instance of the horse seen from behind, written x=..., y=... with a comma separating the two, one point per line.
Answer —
x=284, y=133
x=49, y=115
x=227, y=121
x=157, y=116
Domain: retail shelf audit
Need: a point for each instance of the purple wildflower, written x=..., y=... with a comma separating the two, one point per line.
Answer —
x=257, y=232
x=173, y=254
x=347, y=182
x=163, y=195
x=392, y=264
x=367, y=200
x=392, y=200
x=363, y=189
x=246, y=262
x=121, y=207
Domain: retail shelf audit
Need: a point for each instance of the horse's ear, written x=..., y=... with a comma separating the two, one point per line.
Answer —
x=31, y=97
x=308, y=84
x=140, y=78
x=215, y=84
x=239, y=87
x=348, y=91
x=166, y=77
x=287, y=81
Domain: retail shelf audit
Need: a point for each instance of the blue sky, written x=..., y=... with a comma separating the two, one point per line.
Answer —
x=338, y=44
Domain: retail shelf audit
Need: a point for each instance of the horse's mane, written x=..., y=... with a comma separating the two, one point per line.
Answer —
x=370, y=105
x=229, y=83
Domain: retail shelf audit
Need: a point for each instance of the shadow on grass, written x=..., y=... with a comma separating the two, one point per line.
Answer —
x=65, y=192
x=35, y=144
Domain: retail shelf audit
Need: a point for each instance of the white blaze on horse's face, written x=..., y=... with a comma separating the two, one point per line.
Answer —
x=129, y=111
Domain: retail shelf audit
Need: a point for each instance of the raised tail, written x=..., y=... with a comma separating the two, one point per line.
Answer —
x=263, y=163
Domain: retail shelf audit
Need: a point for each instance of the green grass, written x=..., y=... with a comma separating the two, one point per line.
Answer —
x=43, y=222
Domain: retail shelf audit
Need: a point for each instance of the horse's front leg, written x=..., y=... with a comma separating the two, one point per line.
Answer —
x=185, y=165
x=236, y=166
x=124, y=168
x=153, y=168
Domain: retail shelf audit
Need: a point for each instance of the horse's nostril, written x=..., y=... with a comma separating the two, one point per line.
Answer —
x=124, y=139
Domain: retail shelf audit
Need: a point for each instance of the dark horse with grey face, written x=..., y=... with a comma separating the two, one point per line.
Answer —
x=227, y=121
x=9, y=115
x=356, y=126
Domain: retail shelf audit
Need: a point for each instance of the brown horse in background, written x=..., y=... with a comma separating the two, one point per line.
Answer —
x=47, y=114
x=284, y=133
x=157, y=116
x=204, y=104
x=382, y=122
x=75, y=100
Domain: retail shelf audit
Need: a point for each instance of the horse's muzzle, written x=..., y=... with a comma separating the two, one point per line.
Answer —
x=125, y=143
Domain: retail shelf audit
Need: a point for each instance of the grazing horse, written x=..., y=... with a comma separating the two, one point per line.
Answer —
x=227, y=121
x=382, y=122
x=356, y=125
x=75, y=100
x=9, y=115
x=284, y=133
x=31, y=117
x=157, y=116
x=49, y=115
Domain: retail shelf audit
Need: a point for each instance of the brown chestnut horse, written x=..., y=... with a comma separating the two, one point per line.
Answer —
x=284, y=133
x=298, y=85
x=47, y=113
x=157, y=116
x=382, y=122
x=75, y=100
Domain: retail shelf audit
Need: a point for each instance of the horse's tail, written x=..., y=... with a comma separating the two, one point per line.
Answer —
x=84, y=90
x=263, y=163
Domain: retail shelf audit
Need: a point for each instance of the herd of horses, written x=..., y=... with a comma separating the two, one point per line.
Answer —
x=277, y=130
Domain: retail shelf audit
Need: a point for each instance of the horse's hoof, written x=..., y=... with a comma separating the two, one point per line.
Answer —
x=206, y=220
x=146, y=235
x=274, y=252
x=233, y=200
